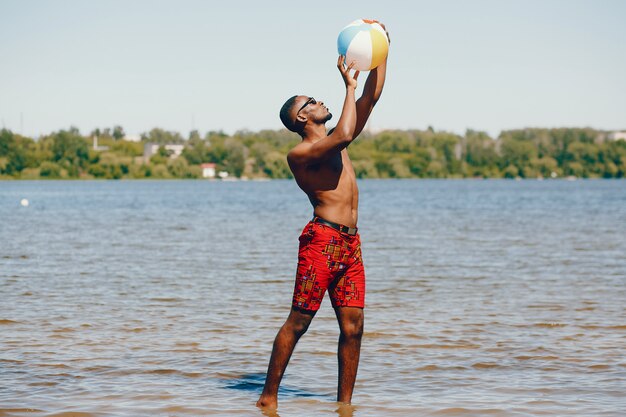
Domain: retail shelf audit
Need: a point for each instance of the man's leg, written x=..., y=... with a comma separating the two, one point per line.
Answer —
x=351, y=326
x=296, y=325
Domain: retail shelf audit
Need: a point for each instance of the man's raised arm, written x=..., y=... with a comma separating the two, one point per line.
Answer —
x=341, y=135
x=371, y=93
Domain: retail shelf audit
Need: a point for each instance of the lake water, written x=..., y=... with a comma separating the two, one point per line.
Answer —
x=162, y=298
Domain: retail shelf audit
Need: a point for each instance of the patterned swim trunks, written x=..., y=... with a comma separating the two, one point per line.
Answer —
x=329, y=260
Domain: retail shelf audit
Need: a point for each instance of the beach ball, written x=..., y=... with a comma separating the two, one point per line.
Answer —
x=365, y=42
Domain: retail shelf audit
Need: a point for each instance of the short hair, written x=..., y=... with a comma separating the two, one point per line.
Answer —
x=285, y=117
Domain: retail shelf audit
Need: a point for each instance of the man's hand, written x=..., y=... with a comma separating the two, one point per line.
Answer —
x=349, y=80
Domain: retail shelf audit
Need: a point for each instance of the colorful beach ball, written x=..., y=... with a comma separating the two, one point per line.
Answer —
x=365, y=42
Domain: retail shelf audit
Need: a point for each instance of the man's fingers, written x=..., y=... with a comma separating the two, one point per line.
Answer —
x=340, y=61
x=351, y=65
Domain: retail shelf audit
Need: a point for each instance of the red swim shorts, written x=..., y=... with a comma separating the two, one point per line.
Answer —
x=329, y=259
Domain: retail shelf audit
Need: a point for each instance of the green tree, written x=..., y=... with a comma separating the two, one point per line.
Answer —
x=399, y=168
x=161, y=156
x=517, y=153
x=159, y=172
x=544, y=166
x=50, y=170
x=365, y=168
x=236, y=152
x=97, y=171
x=13, y=152
x=435, y=169
x=511, y=171
x=162, y=136
x=418, y=162
x=394, y=142
x=70, y=151
x=196, y=151
x=194, y=135
x=479, y=153
x=276, y=166
x=118, y=133
x=127, y=148
x=179, y=168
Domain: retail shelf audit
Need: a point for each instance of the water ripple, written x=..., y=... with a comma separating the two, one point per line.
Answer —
x=485, y=298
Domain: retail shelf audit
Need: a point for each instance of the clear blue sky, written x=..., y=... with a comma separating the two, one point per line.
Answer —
x=483, y=64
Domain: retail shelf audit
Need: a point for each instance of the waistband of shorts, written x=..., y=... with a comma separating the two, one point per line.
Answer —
x=339, y=227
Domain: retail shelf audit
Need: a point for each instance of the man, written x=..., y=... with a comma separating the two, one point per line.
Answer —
x=329, y=256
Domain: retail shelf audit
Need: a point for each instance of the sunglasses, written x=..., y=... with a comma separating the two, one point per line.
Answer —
x=311, y=100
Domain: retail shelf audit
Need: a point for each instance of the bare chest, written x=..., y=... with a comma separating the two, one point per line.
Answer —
x=336, y=170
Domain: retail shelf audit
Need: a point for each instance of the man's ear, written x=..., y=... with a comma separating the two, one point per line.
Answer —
x=301, y=118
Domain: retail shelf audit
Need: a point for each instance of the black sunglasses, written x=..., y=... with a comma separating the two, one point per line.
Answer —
x=311, y=100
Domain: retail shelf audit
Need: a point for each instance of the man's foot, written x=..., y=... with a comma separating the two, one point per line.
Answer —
x=345, y=410
x=267, y=403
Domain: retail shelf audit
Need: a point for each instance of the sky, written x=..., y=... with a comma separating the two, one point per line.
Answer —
x=487, y=65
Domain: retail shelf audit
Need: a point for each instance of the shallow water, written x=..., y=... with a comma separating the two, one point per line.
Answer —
x=485, y=298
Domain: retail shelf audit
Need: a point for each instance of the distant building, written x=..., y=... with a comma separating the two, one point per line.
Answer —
x=617, y=135
x=208, y=170
x=150, y=148
x=458, y=150
x=95, y=145
x=132, y=138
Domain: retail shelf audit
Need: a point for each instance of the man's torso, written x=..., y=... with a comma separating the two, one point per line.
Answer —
x=331, y=188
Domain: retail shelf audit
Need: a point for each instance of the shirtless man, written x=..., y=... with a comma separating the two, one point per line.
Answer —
x=329, y=256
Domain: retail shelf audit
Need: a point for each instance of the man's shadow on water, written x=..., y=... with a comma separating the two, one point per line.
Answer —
x=254, y=383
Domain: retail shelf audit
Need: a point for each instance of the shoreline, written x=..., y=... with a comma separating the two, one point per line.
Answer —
x=570, y=178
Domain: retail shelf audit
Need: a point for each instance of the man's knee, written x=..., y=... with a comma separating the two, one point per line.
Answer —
x=298, y=322
x=298, y=327
x=352, y=327
x=352, y=331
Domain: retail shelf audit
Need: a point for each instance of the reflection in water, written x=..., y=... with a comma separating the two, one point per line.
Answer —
x=250, y=382
x=270, y=413
x=254, y=382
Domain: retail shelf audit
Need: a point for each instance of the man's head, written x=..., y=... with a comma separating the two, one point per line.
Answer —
x=300, y=110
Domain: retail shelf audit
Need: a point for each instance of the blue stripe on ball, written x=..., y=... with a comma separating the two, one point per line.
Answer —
x=346, y=36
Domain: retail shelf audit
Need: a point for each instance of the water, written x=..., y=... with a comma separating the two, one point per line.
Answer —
x=485, y=298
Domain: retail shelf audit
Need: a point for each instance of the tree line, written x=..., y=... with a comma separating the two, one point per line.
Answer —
x=521, y=153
